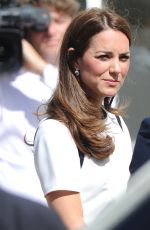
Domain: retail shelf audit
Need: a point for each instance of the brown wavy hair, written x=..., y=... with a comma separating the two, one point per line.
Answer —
x=69, y=103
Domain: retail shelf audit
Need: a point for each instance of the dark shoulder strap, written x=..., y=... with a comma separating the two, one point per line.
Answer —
x=119, y=121
x=81, y=156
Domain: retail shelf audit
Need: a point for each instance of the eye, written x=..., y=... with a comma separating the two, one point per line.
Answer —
x=60, y=20
x=124, y=57
x=103, y=57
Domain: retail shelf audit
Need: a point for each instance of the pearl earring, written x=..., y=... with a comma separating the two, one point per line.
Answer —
x=77, y=73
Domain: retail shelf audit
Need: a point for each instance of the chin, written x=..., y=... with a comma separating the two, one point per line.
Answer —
x=110, y=95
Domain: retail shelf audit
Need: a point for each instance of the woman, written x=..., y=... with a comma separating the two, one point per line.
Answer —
x=82, y=153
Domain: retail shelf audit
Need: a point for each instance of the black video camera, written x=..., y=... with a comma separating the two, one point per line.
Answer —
x=14, y=21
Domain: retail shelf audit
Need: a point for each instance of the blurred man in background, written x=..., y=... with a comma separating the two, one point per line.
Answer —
x=21, y=93
x=47, y=43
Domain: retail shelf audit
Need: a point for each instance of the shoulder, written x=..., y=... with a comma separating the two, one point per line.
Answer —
x=146, y=122
x=141, y=152
x=53, y=130
x=144, y=129
x=49, y=125
x=50, y=76
x=119, y=129
x=118, y=120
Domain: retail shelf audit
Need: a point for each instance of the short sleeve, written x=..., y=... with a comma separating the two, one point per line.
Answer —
x=56, y=157
x=50, y=76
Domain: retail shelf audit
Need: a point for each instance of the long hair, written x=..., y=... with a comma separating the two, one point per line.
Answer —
x=69, y=103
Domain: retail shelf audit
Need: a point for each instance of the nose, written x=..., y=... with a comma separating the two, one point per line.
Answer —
x=115, y=67
x=51, y=28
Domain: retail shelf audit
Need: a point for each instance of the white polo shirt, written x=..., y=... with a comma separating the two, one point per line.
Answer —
x=98, y=181
x=21, y=94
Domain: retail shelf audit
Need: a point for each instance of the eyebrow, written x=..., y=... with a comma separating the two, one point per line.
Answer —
x=108, y=52
x=126, y=53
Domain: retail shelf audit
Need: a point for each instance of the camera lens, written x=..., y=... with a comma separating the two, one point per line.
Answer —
x=5, y=49
x=10, y=50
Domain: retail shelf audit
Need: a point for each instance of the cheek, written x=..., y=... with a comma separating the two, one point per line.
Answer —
x=125, y=70
x=37, y=39
x=93, y=67
x=62, y=28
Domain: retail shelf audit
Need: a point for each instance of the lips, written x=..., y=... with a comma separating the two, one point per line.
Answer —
x=52, y=41
x=111, y=80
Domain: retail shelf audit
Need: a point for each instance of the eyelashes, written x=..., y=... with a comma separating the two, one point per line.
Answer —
x=105, y=57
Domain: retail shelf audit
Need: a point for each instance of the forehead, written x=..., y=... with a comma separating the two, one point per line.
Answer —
x=109, y=38
x=53, y=8
x=56, y=13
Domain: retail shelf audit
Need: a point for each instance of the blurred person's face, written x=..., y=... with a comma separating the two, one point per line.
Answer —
x=47, y=43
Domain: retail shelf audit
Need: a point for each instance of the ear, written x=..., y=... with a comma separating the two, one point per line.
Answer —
x=71, y=49
x=72, y=56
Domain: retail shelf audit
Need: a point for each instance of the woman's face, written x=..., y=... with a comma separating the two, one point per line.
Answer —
x=105, y=63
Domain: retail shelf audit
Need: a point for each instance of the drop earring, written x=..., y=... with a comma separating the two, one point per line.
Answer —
x=77, y=72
